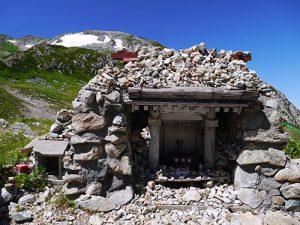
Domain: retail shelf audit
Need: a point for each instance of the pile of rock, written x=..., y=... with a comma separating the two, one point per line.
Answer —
x=102, y=146
x=159, y=205
x=267, y=178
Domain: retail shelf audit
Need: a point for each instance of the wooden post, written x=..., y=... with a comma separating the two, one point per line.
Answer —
x=154, y=127
x=60, y=167
x=209, y=140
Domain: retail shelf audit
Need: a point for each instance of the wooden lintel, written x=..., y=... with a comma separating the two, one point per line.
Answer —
x=138, y=92
x=192, y=104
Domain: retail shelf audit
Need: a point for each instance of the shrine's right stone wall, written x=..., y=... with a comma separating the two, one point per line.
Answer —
x=264, y=176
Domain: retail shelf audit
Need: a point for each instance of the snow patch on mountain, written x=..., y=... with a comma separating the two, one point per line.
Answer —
x=119, y=44
x=77, y=40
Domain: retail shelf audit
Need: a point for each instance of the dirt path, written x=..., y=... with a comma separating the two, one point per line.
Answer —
x=33, y=107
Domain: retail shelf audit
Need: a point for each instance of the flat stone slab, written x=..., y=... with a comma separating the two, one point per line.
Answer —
x=50, y=148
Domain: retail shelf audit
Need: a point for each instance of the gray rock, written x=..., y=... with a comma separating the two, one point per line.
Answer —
x=251, y=197
x=191, y=195
x=26, y=199
x=86, y=138
x=244, y=179
x=252, y=157
x=116, y=138
x=272, y=156
x=93, y=154
x=292, y=205
x=121, y=166
x=278, y=218
x=249, y=219
x=290, y=174
x=119, y=182
x=3, y=123
x=87, y=96
x=276, y=157
x=72, y=189
x=22, y=128
x=63, y=116
x=72, y=178
x=266, y=170
x=95, y=220
x=6, y=196
x=94, y=188
x=87, y=122
x=113, y=97
x=97, y=203
x=56, y=128
x=122, y=197
x=272, y=103
x=114, y=151
x=291, y=191
x=267, y=184
x=22, y=217
x=116, y=129
x=120, y=120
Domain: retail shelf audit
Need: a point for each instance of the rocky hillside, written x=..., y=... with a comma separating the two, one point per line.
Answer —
x=90, y=39
x=53, y=69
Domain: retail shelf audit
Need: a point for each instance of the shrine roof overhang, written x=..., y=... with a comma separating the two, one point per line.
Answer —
x=191, y=96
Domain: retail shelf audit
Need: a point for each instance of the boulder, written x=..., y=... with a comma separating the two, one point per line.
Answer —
x=6, y=196
x=116, y=129
x=266, y=136
x=84, y=122
x=97, y=203
x=272, y=157
x=249, y=219
x=121, y=166
x=251, y=197
x=113, y=97
x=63, y=116
x=72, y=178
x=116, y=138
x=244, y=179
x=292, y=205
x=122, y=197
x=22, y=217
x=114, y=151
x=119, y=182
x=56, y=128
x=87, y=96
x=95, y=220
x=277, y=218
x=278, y=200
x=86, y=138
x=72, y=189
x=3, y=123
x=27, y=199
x=290, y=174
x=291, y=191
x=191, y=195
x=94, y=188
x=120, y=120
x=93, y=154
x=268, y=183
x=252, y=157
x=276, y=157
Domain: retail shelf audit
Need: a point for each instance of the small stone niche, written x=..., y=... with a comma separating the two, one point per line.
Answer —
x=49, y=154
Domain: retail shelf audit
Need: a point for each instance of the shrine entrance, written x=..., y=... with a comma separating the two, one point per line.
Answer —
x=182, y=122
x=181, y=143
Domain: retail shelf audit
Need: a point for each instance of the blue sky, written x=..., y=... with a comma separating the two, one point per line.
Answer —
x=269, y=29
